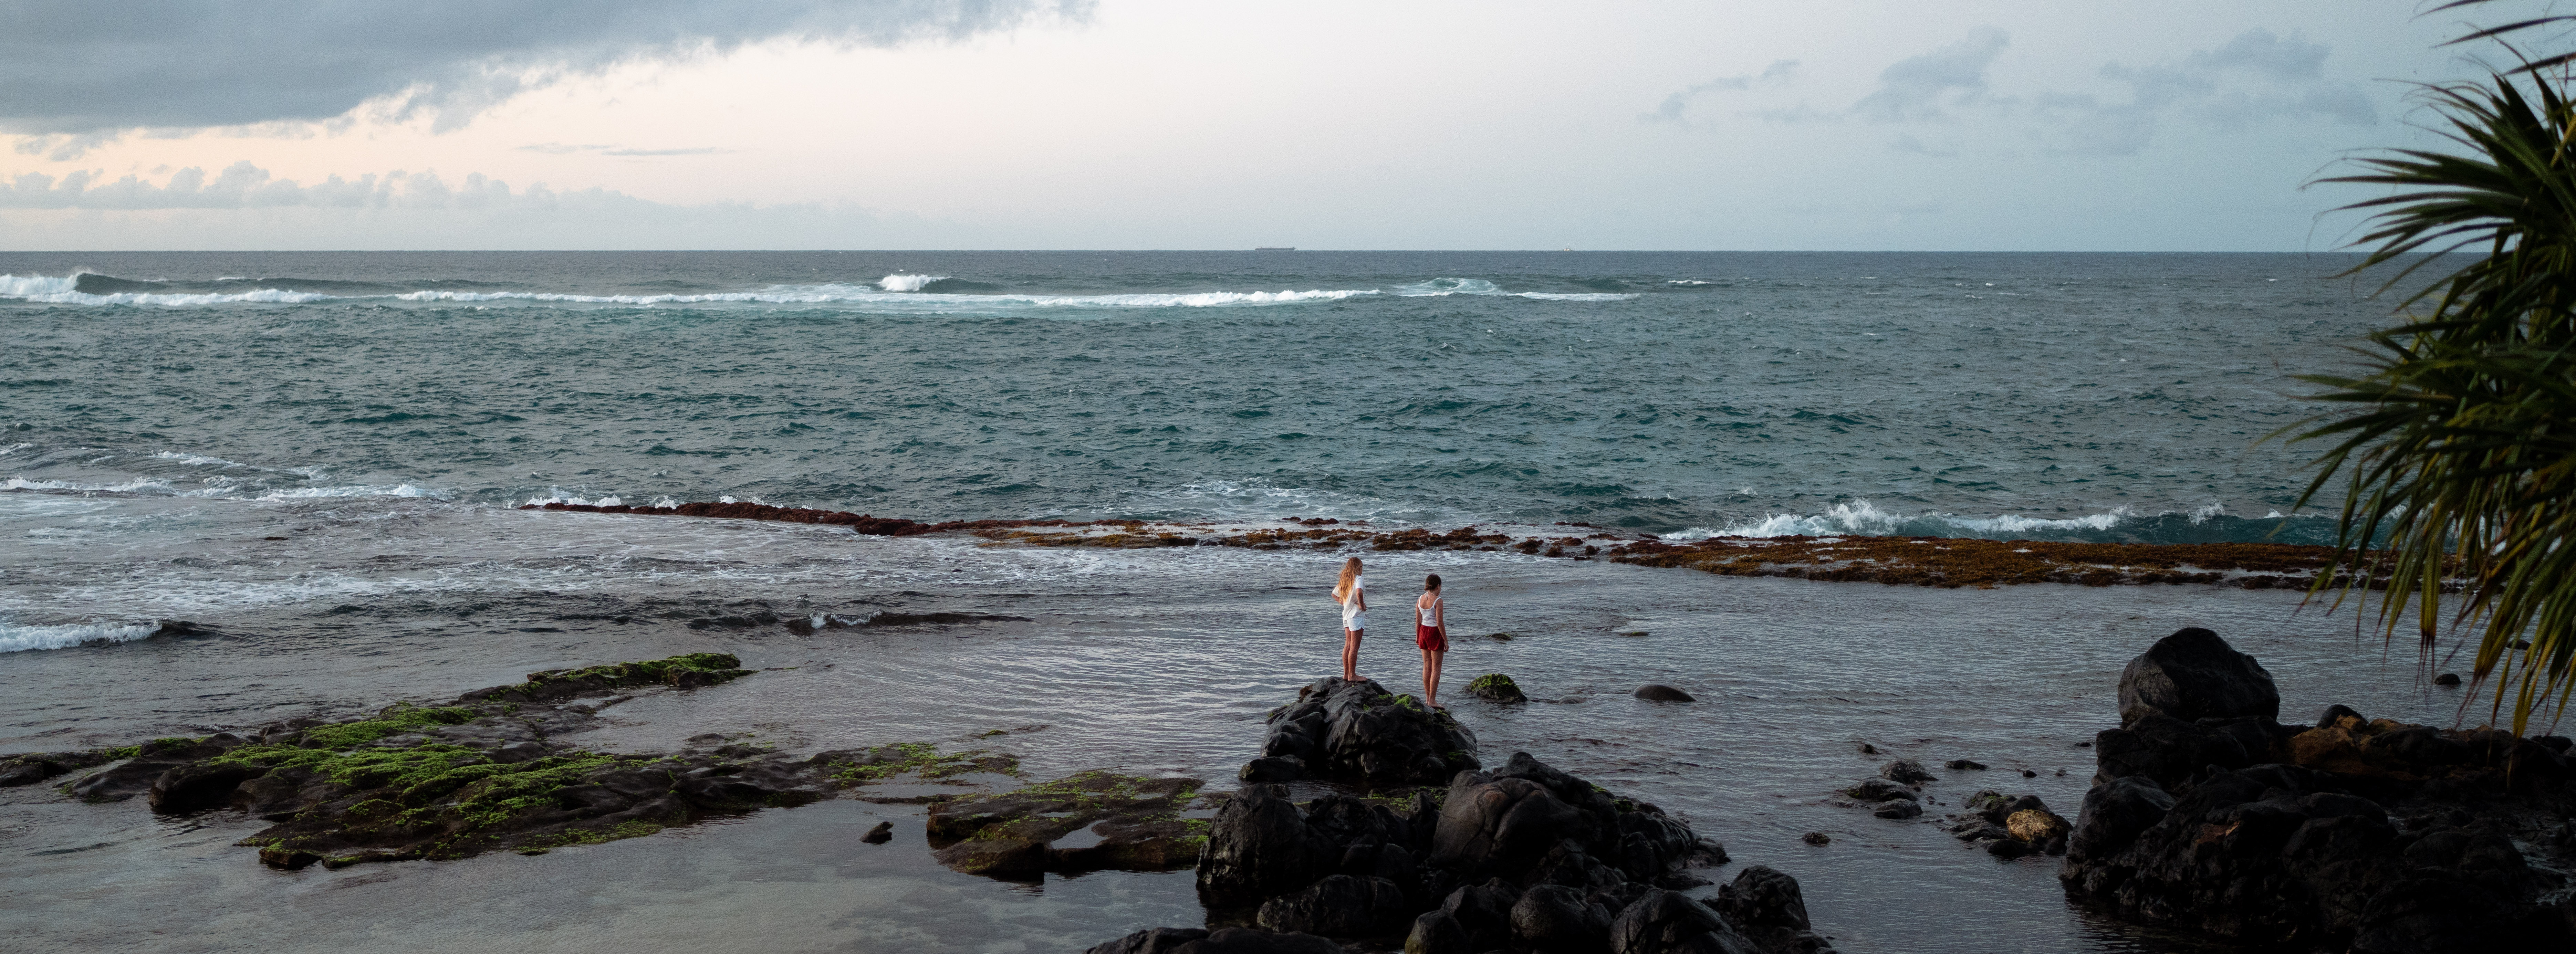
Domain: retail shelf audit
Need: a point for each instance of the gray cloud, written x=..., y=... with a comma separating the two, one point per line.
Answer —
x=1913, y=88
x=1779, y=73
x=245, y=186
x=81, y=69
x=2263, y=52
x=2255, y=77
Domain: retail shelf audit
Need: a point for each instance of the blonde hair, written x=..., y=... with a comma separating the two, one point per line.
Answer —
x=1350, y=578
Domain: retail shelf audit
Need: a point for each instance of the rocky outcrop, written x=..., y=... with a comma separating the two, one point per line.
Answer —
x=1359, y=732
x=1083, y=822
x=490, y=771
x=1522, y=857
x=2370, y=836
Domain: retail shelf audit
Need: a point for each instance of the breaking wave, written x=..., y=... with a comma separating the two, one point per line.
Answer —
x=21, y=638
x=1860, y=518
x=900, y=292
x=1441, y=287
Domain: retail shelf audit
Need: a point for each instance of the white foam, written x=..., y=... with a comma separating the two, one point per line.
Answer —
x=557, y=495
x=139, y=485
x=361, y=490
x=21, y=286
x=907, y=283
x=1861, y=518
x=13, y=448
x=1688, y=281
x=21, y=638
x=196, y=460
x=1448, y=286
x=1441, y=287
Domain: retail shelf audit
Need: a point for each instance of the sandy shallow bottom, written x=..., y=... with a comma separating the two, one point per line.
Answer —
x=1145, y=661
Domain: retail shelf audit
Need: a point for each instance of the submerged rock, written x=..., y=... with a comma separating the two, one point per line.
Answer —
x=2371, y=836
x=1658, y=692
x=1359, y=732
x=1905, y=772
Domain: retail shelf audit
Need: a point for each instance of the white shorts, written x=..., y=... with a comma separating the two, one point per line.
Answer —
x=1355, y=621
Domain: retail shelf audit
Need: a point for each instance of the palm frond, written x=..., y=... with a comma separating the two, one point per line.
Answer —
x=2457, y=456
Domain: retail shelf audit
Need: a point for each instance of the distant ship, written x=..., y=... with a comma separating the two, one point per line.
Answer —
x=1276, y=248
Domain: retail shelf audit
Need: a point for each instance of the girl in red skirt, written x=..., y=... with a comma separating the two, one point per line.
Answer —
x=1431, y=633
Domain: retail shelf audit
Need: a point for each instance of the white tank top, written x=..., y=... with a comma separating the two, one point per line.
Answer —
x=1430, y=614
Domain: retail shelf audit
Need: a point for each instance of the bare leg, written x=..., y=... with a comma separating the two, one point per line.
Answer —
x=1431, y=677
x=1351, y=655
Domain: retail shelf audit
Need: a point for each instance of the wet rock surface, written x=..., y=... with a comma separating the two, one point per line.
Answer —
x=2009, y=826
x=1358, y=732
x=2372, y=836
x=1658, y=692
x=1083, y=822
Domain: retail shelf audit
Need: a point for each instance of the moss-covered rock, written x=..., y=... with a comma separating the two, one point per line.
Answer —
x=481, y=774
x=1496, y=687
x=685, y=671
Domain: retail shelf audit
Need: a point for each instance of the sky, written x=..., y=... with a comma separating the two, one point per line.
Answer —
x=1715, y=124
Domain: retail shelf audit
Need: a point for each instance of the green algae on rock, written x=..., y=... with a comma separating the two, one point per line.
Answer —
x=1496, y=687
x=483, y=773
x=885, y=762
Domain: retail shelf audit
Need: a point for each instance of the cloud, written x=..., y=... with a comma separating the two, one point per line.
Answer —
x=611, y=149
x=2261, y=51
x=2254, y=78
x=73, y=69
x=1912, y=89
x=1779, y=73
x=245, y=186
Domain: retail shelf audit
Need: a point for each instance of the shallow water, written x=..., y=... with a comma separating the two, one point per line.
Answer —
x=1147, y=661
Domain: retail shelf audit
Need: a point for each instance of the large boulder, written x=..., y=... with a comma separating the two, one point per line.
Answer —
x=1257, y=847
x=1340, y=906
x=1506, y=822
x=1666, y=922
x=2365, y=835
x=1556, y=918
x=1359, y=732
x=2193, y=675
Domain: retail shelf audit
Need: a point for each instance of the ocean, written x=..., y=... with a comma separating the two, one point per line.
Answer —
x=316, y=460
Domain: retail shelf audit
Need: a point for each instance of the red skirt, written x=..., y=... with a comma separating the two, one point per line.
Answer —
x=1431, y=638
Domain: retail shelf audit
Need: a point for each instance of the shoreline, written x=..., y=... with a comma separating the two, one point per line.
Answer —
x=1940, y=562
